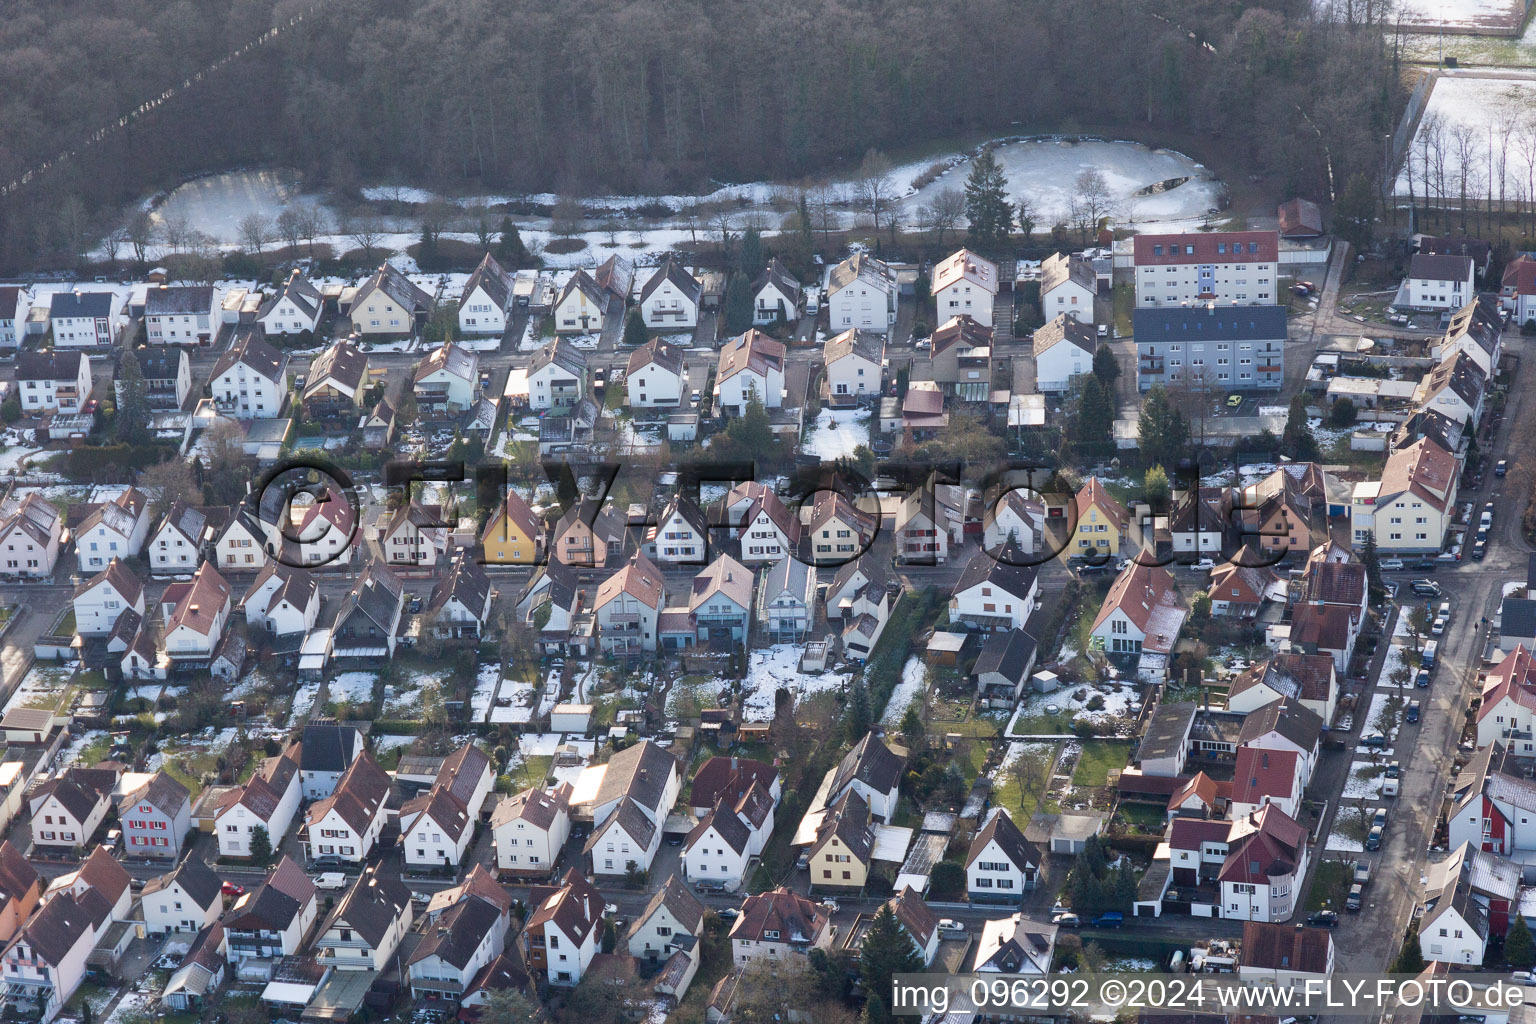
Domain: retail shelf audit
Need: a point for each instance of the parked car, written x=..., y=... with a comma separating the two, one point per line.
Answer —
x=1109, y=919
x=1412, y=716
x=1502, y=468
x=1373, y=839
x=231, y=889
x=331, y=880
x=729, y=914
x=1379, y=817
x=1353, y=901
x=1323, y=918
x=1479, y=549
x=1422, y=679
x=1428, y=655
x=1424, y=565
x=1066, y=920
x=1362, y=873
x=1204, y=565
x=949, y=924
x=1392, y=565
x=1425, y=588
x=1393, y=769
x=1374, y=738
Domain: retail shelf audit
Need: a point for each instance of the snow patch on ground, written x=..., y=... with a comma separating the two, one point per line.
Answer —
x=487, y=679
x=772, y=667
x=838, y=432
x=1338, y=842
x=390, y=740
x=1478, y=103
x=914, y=679
x=1363, y=781
x=40, y=684
x=356, y=687
x=1121, y=701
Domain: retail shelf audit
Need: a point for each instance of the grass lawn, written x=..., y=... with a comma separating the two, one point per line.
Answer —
x=532, y=772
x=1043, y=724
x=1097, y=760
x=95, y=751
x=189, y=770
x=1125, y=302
x=1143, y=815
x=1006, y=794
x=67, y=625
x=1330, y=885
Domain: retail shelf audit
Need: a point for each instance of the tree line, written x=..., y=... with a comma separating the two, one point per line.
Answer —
x=651, y=97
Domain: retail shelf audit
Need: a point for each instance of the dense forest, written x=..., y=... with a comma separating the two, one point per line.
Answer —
x=630, y=95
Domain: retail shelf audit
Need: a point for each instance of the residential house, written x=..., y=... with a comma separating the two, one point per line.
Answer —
x=530, y=830
x=657, y=376
x=1438, y=282
x=181, y=315
x=853, y=367
x=928, y=523
x=557, y=376
x=435, y=829
x=1017, y=518
x=1411, y=506
x=296, y=308
x=766, y=530
x=514, y=534
x=45, y=962
x=250, y=378
x=1517, y=291
x=1455, y=925
x=68, y=808
x=21, y=890
x=1284, y=956
x=460, y=604
x=1240, y=591
x=1237, y=348
x=627, y=606
x=872, y=770
x=672, y=921
x=918, y=920
x=1309, y=679
x=364, y=930
x=102, y=599
x=447, y=381
x=786, y=600
x=582, y=307
x=415, y=535
x=268, y=801
x=723, y=843
x=994, y=593
x=1001, y=864
x=15, y=305
x=721, y=602
x=195, y=615
x=367, y=624
x=1476, y=328
x=838, y=529
x=1454, y=388
x=1097, y=525
x=1004, y=664
x=779, y=924
x=84, y=319
x=776, y=295
x=166, y=374
x=682, y=533
x=113, y=529
x=176, y=545
x=1318, y=627
x=284, y=600
x=590, y=534
x=1068, y=286
x=965, y=284
x=1225, y=267
x=186, y=900
x=156, y=818
x=1142, y=612
x=960, y=359
x=670, y=299
x=272, y=920
x=485, y=305
x=345, y=825
x=1493, y=804
x=1264, y=777
x=30, y=533
x=564, y=931
x=616, y=277
x=1164, y=745
x=1265, y=865
x=464, y=929
x=1064, y=348
x=1509, y=700
x=388, y=304
x=645, y=775
x=842, y=848
x=54, y=381
x=242, y=544
x=861, y=292
x=750, y=366
x=1015, y=945
x=337, y=379
x=1300, y=218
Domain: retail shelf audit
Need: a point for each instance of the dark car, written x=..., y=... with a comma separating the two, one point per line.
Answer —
x=1501, y=469
x=1413, y=712
x=1479, y=550
x=1324, y=918
x=1356, y=896
x=1373, y=840
x=1424, y=565
x=1109, y=919
x=1425, y=588
x=1422, y=679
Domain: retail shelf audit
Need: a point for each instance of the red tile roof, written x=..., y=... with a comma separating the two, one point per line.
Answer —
x=1207, y=247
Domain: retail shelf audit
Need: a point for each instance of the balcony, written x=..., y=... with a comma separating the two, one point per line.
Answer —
x=1272, y=368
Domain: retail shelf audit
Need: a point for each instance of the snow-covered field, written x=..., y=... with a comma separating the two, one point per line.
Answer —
x=216, y=204
x=1121, y=701
x=1364, y=781
x=486, y=681
x=772, y=667
x=40, y=685
x=1485, y=105
x=838, y=432
x=914, y=677
x=1459, y=15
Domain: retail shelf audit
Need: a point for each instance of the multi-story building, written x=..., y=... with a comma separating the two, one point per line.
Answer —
x=1211, y=346
x=1226, y=267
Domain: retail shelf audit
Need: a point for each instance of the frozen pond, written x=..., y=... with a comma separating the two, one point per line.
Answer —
x=216, y=204
x=1456, y=15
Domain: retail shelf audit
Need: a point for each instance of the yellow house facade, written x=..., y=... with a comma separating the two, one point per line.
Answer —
x=514, y=535
x=1098, y=524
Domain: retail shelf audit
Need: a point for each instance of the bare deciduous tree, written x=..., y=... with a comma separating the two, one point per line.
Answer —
x=944, y=212
x=176, y=231
x=255, y=232
x=141, y=234
x=290, y=227
x=874, y=187
x=1093, y=197
x=113, y=241
x=365, y=232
